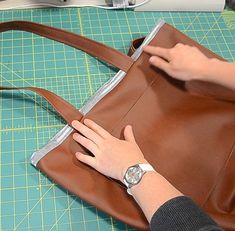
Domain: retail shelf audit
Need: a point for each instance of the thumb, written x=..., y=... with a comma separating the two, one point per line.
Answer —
x=128, y=134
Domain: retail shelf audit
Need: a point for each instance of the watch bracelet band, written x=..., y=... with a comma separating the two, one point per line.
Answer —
x=147, y=167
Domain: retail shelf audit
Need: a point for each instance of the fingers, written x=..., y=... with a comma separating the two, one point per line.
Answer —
x=160, y=57
x=128, y=134
x=96, y=128
x=158, y=51
x=88, y=144
x=160, y=63
x=87, y=132
x=91, y=161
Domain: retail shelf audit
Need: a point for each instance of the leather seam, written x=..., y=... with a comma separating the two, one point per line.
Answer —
x=133, y=105
x=219, y=175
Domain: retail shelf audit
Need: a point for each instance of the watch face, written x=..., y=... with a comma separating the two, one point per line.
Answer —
x=134, y=175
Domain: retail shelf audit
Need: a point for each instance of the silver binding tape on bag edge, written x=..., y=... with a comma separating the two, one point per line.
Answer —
x=104, y=90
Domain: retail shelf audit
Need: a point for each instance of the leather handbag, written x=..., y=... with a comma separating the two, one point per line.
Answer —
x=186, y=130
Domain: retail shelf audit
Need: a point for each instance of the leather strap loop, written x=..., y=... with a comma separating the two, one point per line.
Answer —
x=135, y=45
x=99, y=50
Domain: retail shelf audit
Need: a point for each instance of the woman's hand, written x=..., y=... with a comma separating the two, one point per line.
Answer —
x=182, y=62
x=112, y=156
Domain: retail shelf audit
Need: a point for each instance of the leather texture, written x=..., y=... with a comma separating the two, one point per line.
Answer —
x=185, y=130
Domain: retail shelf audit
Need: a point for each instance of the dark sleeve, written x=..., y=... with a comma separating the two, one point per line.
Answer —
x=181, y=213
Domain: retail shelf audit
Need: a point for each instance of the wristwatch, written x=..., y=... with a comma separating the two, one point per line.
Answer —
x=134, y=175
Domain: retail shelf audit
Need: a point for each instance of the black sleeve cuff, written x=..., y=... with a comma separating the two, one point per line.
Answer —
x=181, y=213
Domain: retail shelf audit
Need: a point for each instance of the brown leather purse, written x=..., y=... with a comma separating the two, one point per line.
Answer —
x=185, y=130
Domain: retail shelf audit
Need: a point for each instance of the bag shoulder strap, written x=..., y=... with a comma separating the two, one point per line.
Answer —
x=99, y=50
x=67, y=111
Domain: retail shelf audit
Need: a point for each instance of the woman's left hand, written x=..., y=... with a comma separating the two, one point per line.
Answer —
x=112, y=156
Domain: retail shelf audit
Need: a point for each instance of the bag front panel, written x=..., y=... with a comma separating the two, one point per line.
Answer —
x=187, y=138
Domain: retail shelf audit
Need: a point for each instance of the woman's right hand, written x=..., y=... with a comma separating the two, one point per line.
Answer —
x=182, y=62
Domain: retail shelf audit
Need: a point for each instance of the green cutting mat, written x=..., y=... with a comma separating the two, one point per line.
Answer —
x=29, y=201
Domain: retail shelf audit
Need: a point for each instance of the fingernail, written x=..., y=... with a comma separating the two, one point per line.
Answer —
x=77, y=154
x=86, y=121
x=75, y=135
x=151, y=60
x=74, y=123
